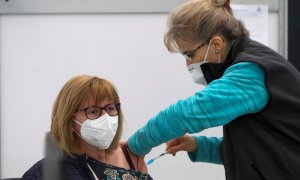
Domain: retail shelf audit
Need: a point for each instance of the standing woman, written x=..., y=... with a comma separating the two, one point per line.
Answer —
x=252, y=91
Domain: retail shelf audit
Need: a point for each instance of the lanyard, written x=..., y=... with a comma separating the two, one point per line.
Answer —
x=95, y=176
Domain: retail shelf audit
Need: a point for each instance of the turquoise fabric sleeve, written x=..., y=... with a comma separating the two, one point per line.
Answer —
x=208, y=150
x=241, y=90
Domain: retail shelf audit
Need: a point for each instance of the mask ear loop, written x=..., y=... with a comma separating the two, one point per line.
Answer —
x=75, y=130
x=218, y=52
x=207, y=51
x=77, y=122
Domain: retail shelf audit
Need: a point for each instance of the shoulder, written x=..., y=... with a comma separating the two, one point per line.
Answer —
x=244, y=66
x=72, y=169
x=245, y=69
x=35, y=172
x=242, y=76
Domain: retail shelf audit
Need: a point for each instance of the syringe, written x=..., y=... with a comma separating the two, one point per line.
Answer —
x=152, y=160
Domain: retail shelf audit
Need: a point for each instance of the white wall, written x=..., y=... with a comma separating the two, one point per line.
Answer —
x=39, y=53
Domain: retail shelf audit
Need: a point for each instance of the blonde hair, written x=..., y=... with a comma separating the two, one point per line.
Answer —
x=71, y=98
x=200, y=20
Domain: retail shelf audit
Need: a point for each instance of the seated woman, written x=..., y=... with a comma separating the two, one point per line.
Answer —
x=87, y=124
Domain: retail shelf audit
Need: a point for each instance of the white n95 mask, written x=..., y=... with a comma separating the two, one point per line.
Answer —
x=99, y=132
x=196, y=73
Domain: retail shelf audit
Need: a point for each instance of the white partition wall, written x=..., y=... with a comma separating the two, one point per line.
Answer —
x=42, y=45
x=40, y=53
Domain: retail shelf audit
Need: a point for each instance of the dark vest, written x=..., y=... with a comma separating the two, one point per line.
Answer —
x=264, y=145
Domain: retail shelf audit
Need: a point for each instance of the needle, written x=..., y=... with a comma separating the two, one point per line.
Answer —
x=152, y=160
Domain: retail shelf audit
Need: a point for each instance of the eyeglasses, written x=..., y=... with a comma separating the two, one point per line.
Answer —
x=95, y=112
x=190, y=54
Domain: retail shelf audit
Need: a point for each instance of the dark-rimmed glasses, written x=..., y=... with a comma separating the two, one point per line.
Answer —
x=95, y=111
x=190, y=54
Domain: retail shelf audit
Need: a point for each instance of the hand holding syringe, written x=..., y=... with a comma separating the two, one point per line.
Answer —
x=183, y=143
x=153, y=159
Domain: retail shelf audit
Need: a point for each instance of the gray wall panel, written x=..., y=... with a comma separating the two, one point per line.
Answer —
x=104, y=6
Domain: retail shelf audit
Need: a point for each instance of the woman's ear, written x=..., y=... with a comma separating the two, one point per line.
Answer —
x=218, y=44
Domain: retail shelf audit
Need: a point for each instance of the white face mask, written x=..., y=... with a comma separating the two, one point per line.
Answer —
x=99, y=132
x=196, y=71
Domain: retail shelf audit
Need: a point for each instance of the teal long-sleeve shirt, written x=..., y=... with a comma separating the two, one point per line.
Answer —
x=241, y=90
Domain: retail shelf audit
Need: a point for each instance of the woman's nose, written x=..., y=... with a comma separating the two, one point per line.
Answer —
x=188, y=61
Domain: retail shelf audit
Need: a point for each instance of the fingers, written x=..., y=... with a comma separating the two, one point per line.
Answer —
x=176, y=148
x=141, y=165
x=184, y=143
x=172, y=146
x=124, y=143
x=173, y=142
